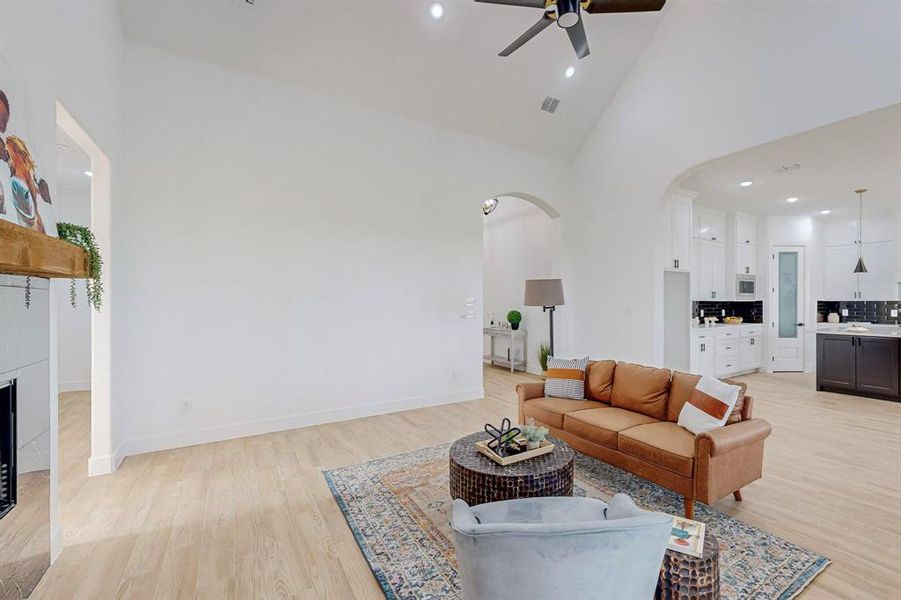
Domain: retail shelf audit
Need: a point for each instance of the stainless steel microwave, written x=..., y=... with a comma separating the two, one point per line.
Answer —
x=746, y=287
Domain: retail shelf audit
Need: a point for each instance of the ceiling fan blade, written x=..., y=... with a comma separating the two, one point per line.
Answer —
x=577, y=37
x=525, y=3
x=528, y=35
x=621, y=6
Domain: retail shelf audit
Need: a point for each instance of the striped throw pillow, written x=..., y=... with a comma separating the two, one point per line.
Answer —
x=709, y=405
x=566, y=378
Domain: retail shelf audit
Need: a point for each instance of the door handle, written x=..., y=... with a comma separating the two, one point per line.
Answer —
x=800, y=324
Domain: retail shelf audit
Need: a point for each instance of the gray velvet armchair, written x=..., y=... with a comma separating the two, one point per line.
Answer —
x=559, y=548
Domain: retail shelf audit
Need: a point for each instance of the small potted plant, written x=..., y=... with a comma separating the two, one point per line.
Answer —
x=514, y=317
x=544, y=351
x=534, y=434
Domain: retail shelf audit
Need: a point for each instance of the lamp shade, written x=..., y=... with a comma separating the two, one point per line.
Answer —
x=544, y=292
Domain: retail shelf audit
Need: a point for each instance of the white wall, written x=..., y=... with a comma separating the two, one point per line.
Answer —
x=74, y=324
x=716, y=78
x=520, y=242
x=68, y=52
x=293, y=258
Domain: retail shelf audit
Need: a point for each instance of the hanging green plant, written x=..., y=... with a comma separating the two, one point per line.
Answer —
x=82, y=236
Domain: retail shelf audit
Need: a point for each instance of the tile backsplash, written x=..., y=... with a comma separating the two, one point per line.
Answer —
x=862, y=311
x=750, y=311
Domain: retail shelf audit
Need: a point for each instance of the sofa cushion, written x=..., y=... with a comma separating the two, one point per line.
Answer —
x=663, y=444
x=684, y=384
x=599, y=380
x=600, y=425
x=641, y=389
x=710, y=405
x=566, y=378
x=550, y=411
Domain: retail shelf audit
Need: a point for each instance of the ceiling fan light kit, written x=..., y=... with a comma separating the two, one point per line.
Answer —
x=568, y=15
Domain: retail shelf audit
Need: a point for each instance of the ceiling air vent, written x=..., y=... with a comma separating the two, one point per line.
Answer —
x=550, y=104
x=787, y=167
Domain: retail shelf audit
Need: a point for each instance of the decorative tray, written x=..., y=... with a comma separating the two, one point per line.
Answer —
x=504, y=461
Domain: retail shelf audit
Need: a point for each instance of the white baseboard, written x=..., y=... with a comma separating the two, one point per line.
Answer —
x=56, y=543
x=74, y=386
x=106, y=463
x=248, y=428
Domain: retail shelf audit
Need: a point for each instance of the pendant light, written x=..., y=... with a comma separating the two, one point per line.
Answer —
x=860, y=267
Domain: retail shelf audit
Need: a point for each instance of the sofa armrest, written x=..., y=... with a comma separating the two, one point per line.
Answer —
x=721, y=441
x=747, y=408
x=527, y=391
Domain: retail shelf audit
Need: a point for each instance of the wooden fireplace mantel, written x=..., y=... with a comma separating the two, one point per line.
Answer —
x=24, y=251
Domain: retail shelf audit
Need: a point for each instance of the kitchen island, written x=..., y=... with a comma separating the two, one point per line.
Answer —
x=860, y=362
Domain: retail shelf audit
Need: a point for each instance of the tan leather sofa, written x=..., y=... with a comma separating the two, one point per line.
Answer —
x=628, y=420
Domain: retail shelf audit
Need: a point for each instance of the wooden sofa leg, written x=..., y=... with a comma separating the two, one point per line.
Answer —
x=737, y=495
x=689, y=507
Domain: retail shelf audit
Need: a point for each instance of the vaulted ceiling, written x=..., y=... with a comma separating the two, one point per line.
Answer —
x=391, y=54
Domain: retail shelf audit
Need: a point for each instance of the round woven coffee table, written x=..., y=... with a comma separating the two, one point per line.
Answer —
x=477, y=479
x=684, y=577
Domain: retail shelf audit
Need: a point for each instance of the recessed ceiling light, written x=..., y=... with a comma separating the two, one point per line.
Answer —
x=569, y=72
x=791, y=200
x=437, y=11
x=746, y=183
x=825, y=212
x=89, y=173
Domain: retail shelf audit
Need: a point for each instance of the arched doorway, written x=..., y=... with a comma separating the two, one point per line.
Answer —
x=521, y=240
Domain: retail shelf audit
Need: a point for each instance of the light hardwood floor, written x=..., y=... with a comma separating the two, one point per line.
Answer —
x=253, y=518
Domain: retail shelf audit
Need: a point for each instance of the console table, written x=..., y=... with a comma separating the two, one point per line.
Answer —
x=510, y=360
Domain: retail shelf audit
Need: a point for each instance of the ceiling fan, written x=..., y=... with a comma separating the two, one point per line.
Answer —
x=568, y=14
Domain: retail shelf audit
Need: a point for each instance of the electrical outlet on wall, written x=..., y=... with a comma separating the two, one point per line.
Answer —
x=723, y=313
x=844, y=312
x=186, y=407
x=894, y=313
x=702, y=312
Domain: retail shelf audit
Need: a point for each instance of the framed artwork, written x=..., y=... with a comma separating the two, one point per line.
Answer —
x=24, y=192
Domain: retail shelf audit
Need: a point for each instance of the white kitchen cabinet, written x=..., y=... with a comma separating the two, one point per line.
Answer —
x=839, y=280
x=878, y=226
x=840, y=233
x=703, y=355
x=681, y=234
x=878, y=282
x=726, y=351
x=745, y=259
x=696, y=269
x=745, y=231
x=711, y=270
x=750, y=353
x=709, y=224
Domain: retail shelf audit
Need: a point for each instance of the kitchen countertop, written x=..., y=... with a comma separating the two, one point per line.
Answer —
x=889, y=331
x=721, y=325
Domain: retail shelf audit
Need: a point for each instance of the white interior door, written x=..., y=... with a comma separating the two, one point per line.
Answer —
x=787, y=272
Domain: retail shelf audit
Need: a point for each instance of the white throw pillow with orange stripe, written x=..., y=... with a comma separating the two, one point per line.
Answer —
x=566, y=378
x=709, y=406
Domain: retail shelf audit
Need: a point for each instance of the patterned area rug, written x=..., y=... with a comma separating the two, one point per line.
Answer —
x=398, y=510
